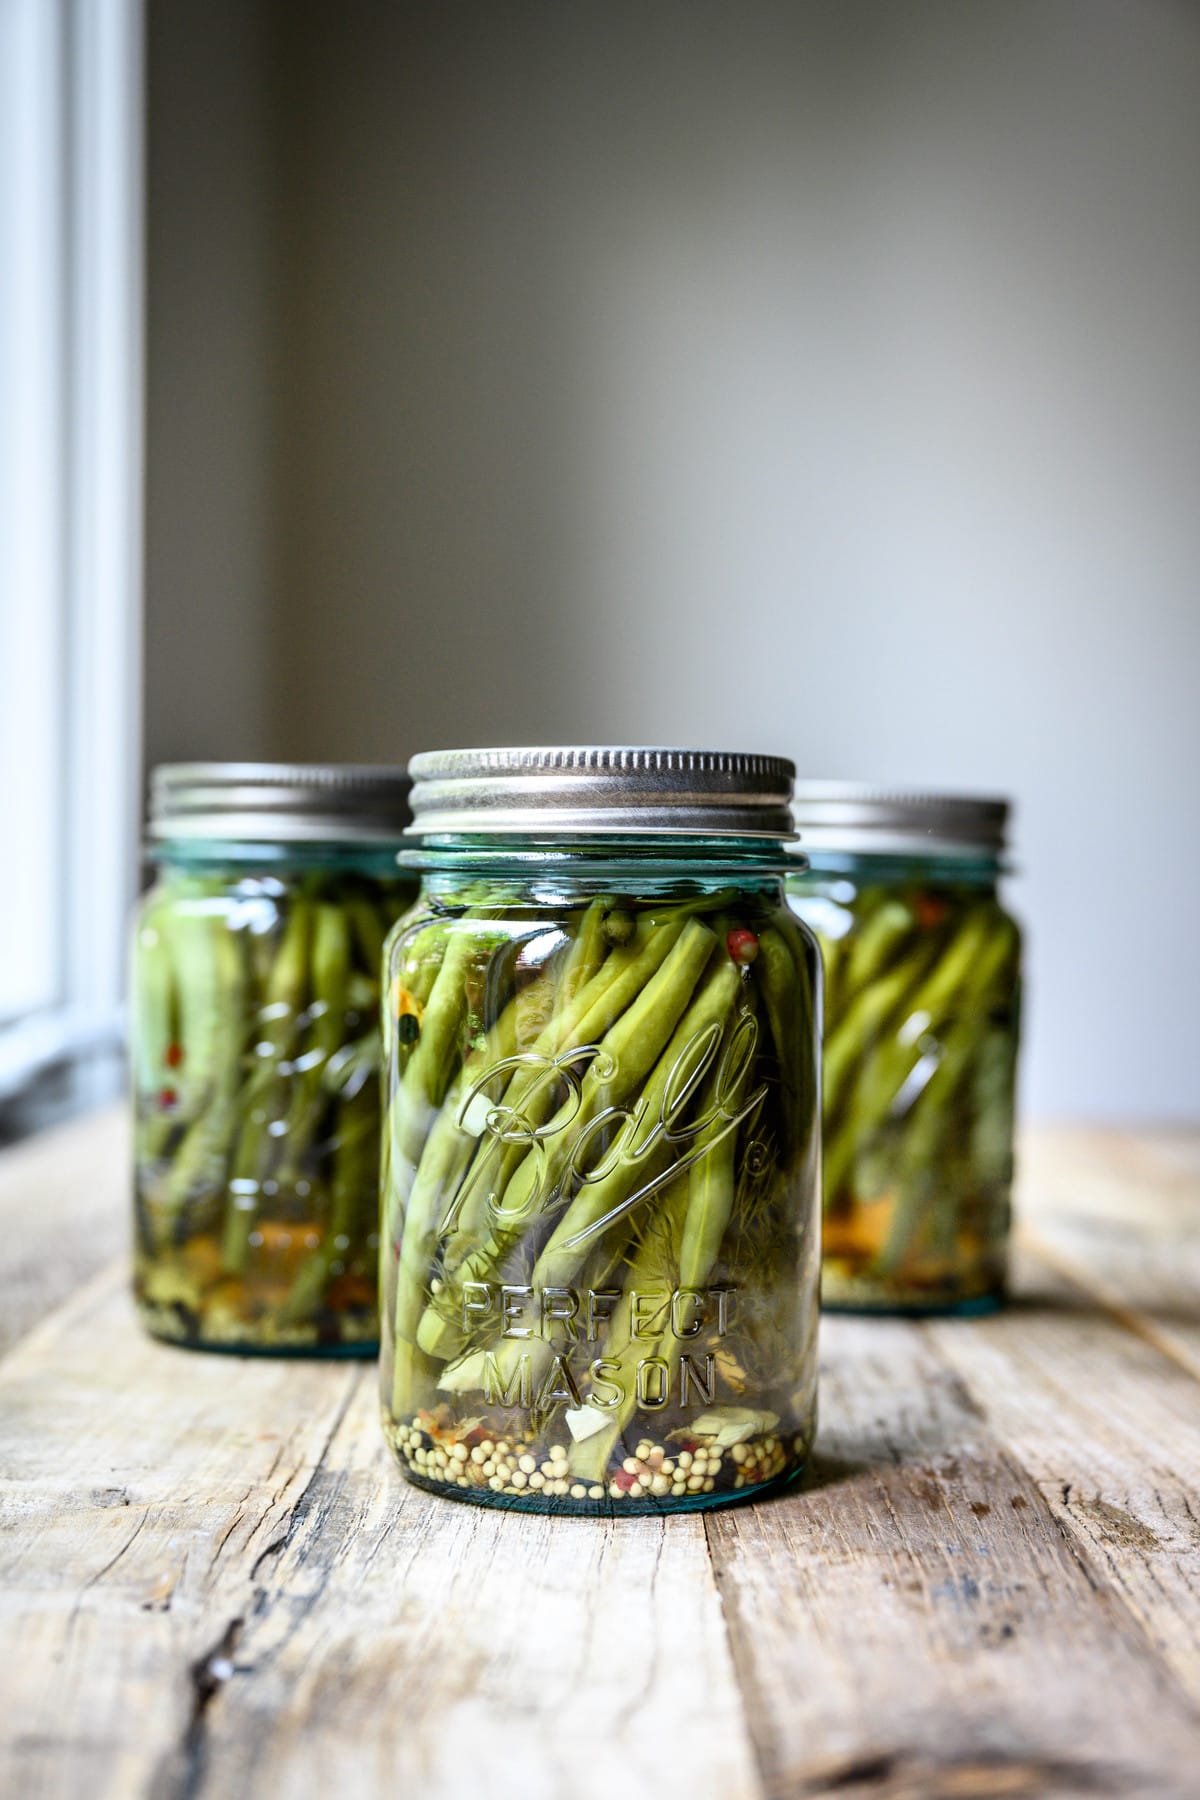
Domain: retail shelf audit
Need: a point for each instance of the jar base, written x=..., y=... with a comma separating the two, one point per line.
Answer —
x=610, y=1507
x=977, y=1306
x=365, y=1350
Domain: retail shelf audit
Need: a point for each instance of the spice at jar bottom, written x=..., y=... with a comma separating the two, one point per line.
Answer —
x=599, y=1257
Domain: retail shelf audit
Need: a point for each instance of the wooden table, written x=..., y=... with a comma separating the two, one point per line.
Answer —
x=215, y=1582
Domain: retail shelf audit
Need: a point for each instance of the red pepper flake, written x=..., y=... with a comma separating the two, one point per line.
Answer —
x=624, y=1480
x=167, y=1098
x=930, y=911
x=742, y=945
x=690, y=1444
x=174, y=1056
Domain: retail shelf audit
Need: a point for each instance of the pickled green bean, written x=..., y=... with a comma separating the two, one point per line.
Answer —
x=257, y=1146
x=919, y=1060
x=287, y=988
x=598, y=1196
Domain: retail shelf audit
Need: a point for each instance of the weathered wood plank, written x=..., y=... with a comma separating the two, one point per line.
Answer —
x=168, y=1511
x=1118, y=1214
x=64, y=1213
x=915, y=1622
x=139, y=1484
x=1110, y=1431
x=400, y=1641
x=218, y=1583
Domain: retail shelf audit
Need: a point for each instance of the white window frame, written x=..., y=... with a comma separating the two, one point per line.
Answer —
x=86, y=71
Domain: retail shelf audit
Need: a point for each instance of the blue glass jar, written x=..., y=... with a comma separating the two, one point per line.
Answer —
x=600, y=1215
x=255, y=1054
x=922, y=1002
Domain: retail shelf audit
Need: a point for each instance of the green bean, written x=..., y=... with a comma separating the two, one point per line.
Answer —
x=441, y=1162
x=874, y=947
x=407, y=1138
x=693, y=1186
x=787, y=998
x=833, y=955
x=919, y=1067
x=153, y=1005
x=530, y=1095
x=958, y=1037
x=155, y=1037
x=599, y=1203
x=954, y=971
x=588, y=949
x=369, y=929
x=582, y=1021
x=200, y=951
x=709, y=1208
x=422, y=956
x=647, y=1131
x=287, y=987
x=265, y=1037
x=353, y=1165
x=429, y=1067
x=865, y=1018
x=362, y=995
x=330, y=969
x=210, y=982
x=653, y=1268
x=626, y=1053
x=992, y=1103
x=584, y=959
x=882, y=1076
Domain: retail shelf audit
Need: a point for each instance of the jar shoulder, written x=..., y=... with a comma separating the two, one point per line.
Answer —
x=832, y=903
x=498, y=913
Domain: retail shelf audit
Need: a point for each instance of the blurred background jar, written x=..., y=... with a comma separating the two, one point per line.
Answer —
x=255, y=1053
x=922, y=1005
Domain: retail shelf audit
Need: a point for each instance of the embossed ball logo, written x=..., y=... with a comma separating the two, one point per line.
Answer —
x=635, y=1135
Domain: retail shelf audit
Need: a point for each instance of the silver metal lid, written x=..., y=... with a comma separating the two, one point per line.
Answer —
x=594, y=790
x=851, y=816
x=279, y=802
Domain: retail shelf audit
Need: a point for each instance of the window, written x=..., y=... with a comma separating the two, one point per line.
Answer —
x=70, y=527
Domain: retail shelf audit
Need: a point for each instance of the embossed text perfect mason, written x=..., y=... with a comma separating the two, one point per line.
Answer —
x=599, y=1247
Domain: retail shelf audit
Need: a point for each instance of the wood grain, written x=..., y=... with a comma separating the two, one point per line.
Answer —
x=448, y=1644
x=937, y=1633
x=214, y=1583
x=1109, y=1429
x=174, y=1512
x=64, y=1213
x=1118, y=1216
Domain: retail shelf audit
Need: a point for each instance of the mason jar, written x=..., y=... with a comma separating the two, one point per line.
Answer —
x=922, y=1004
x=600, y=1255
x=255, y=1053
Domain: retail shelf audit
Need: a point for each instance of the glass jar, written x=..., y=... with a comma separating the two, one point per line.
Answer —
x=600, y=1219
x=922, y=999
x=255, y=1053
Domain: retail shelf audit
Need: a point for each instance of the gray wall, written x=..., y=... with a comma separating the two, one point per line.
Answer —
x=820, y=379
x=211, y=387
